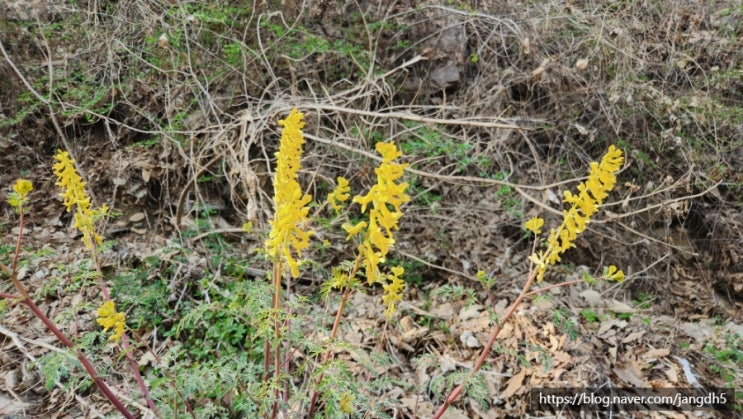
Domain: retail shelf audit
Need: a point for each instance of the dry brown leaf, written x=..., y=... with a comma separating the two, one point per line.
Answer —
x=654, y=354
x=478, y=324
x=419, y=405
x=469, y=340
x=414, y=334
x=561, y=357
x=136, y=217
x=612, y=354
x=633, y=336
x=606, y=325
x=672, y=373
x=628, y=376
x=619, y=307
x=454, y=413
x=407, y=324
x=470, y=312
x=592, y=297
x=444, y=311
x=514, y=384
x=447, y=363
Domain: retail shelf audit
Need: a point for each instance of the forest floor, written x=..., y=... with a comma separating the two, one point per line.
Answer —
x=171, y=110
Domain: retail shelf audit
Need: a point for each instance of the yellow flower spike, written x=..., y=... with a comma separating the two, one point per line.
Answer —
x=384, y=200
x=109, y=318
x=291, y=210
x=71, y=183
x=393, y=290
x=74, y=195
x=611, y=273
x=534, y=224
x=388, y=151
x=340, y=194
x=372, y=260
x=377, y=237
x=591, y=194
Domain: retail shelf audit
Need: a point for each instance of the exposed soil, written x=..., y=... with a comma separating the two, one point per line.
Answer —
x=171, y=108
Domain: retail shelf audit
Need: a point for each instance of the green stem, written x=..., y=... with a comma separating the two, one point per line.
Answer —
x=277, y=333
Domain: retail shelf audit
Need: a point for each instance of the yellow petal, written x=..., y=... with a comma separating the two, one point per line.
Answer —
x=22, y=187
x=534, y=224
x=353, y=230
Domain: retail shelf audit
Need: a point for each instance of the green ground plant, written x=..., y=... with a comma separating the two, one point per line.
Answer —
x=729, y=356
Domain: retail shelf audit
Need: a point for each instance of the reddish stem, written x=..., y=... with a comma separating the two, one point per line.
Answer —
x=547, y=288
x=326, y=356
x=452, y=397
x=483, y=355
x=124, y=338
x=486, y=350
x=26, y=299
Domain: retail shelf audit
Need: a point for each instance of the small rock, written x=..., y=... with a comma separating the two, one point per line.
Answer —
x=469, y=340
x=444, y=311
x=469, y=312
x=136, y=217
x=11, y=379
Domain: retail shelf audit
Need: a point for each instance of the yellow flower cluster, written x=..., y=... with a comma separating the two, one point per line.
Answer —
x=591, y=194
x=382, y=219
x=109, y=318
x=385, y=198
x=534, y=225
x=291, y=204
x=612, y=273
x=340, y=194
x=393, y=290
x=74, y=195
x=19, y=197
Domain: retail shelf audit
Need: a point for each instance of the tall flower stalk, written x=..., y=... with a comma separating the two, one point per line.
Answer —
x=74, y=196
x=290, y=203
x=18, y=200
x=583, y=205
x=288, y=235
x=76, y=199
x=383, y=203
